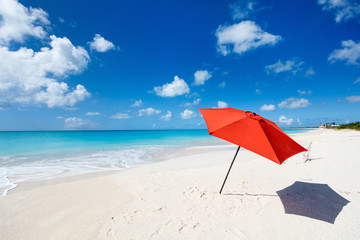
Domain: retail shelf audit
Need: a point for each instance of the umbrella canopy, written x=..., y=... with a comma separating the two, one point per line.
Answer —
x=252, y=132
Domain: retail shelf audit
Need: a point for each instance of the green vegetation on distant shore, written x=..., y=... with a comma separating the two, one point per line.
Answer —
x=354, y=125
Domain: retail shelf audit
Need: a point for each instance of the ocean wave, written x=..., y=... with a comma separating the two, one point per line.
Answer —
x=15, y=169
x=5, y=184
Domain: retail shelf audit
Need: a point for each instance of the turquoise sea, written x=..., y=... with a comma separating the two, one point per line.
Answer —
x=35, y=155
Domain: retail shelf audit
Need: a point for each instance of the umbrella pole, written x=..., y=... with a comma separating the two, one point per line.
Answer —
x=229, y=169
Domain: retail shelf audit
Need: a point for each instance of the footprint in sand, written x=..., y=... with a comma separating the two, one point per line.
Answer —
x=182, y=227
x=110, y=233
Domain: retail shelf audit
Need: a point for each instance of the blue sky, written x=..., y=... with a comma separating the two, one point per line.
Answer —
x=152, y=64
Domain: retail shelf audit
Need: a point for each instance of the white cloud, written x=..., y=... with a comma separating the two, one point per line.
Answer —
x=18, y=22
x=137, y=103
x=242, y=9
x=222, y=85
x=285, y=120
x=293, y=103
x=304, y=92
x=59, y=117
x=63, y=58
x=344, y=9
x=266, y=107
x=353, y=99
x=166, y=117
x=100, y=44
x=78, y=123
x=293, y=66
x=194, y=103
x=193, y=95
x=120, y=116
x=309, y=72
x=93, y=114
x=58, y=95
x=350, y=53
x=29, y=77
x=242, y=37
x=71, y=108
x=176, y=88
x=148, y=112
x=301, y=92
x=201, y=76
x=222, y=104
x=357, y=80
x=258, y=91
x=187, y=114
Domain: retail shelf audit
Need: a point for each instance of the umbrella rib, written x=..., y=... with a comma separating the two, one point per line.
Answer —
x=270, y=143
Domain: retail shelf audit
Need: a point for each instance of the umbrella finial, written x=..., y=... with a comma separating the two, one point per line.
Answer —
x=253, y=115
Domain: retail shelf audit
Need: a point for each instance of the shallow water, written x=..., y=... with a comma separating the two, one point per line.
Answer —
x=26, y=156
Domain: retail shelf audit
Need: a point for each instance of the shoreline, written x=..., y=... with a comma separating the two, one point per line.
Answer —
x=176, y=151
x=178, y=198
x=181, y=151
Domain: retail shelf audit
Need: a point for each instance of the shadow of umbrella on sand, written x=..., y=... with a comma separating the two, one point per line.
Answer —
x=312, y=200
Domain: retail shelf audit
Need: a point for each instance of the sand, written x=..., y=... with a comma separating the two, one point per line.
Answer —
x=179, y=199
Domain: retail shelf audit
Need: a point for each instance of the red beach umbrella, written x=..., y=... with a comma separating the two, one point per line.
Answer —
x=252, y=132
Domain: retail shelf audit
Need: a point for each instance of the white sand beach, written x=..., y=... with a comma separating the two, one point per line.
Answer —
x=179, y=199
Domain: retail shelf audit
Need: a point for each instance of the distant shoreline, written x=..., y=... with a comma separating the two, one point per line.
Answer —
x=175, y=129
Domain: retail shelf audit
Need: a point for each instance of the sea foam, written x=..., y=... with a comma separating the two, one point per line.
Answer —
x=45, y=166
x=5, y=183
